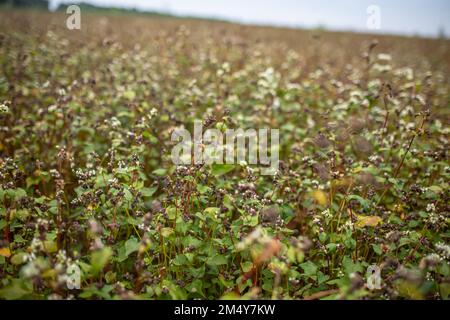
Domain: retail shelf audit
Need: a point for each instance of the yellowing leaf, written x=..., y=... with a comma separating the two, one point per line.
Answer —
x=50, y=246
x=368, y=221
x=130, y=95
x=409, y=290
x=49, y=274
x=320, y=197
x=344, y=182
x=165, y=232
x=5, y=252
x=19, y=258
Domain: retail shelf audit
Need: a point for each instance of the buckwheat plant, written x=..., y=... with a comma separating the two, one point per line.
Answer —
x=87, y=177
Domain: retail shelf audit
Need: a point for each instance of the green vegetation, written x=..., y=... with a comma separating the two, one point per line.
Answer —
x=86, y=175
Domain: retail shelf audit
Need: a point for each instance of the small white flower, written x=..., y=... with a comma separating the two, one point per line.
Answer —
x=30, y=270
x=433, y=218
x=52, y=108
x=115, y=122
x=122, y=164
x=384, y=57
x=327, y=214
x=3, y=108
x=113, y=181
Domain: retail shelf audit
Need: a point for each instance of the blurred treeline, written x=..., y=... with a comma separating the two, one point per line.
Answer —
x=43, y=4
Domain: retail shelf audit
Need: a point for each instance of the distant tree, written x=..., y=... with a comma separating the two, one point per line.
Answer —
x=441, y=33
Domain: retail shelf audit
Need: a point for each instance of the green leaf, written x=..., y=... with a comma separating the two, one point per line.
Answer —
x=131, y=245
x=362, y=201
x=148, y=192
x=171, y=212
x=203, y=189
x=217, y=260
x=350, y=243
x=92, y=291
x=211, y=212
x=180, y=260
x=218, y=170
x=350, y=266
x=445, y=290
x=17, y=289
x=377, y=249
x=309, y=268
x=15, y=193
x=247, y=266
x=252, y=221
x=196, y=286
x=160, y=172
x=435, y=189
x=110, y=277
x=130, y=95
x=331, y=247
x=99, y=259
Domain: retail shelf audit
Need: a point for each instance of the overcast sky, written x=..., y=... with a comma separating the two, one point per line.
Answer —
x=424, y=17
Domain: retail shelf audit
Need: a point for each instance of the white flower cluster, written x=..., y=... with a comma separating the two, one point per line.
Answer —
x=375, y=158
x=144, y=227
x=4, y=108
x=308, y=160
x=256, y=236
x=85, y=174
x=346, y=226
x=153, y=113
x=444, y=250
x=30, y=270
x=113, y=181
x=36, y=246
x=115, y=123
x=122, y=165
x=327, y=214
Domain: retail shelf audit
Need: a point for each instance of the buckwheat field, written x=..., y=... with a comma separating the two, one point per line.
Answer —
x=93, y=207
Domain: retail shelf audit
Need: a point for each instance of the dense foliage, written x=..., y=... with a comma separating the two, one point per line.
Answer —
x=86, y=176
